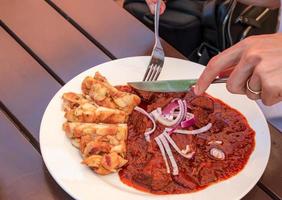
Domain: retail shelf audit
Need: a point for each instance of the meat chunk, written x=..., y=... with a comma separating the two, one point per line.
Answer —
x=217, y=123
x=185, y=180
x=143, y=179
x=145, y=96
x=160, y=178
x=207, y=176
x=203, y=102
x=161, y=102
x=201, y=116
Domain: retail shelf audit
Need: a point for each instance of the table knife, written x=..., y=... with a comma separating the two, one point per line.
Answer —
x=169, y=85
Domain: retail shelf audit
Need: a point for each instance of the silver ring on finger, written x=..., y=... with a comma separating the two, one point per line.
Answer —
x=251, y=90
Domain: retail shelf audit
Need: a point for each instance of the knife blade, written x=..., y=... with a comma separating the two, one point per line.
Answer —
x=169, y=85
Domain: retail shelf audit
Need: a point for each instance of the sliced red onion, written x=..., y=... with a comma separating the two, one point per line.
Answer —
x=182, y=111
x=170, y=117
x=175, y=114
x=157, y=114
x=175, y=169
x=150, y=130
x=170, y=108
x=193, y=132
x=185, y=109
x=175, y=99
x=189, y=121
x=161, y=147
x=174, y=145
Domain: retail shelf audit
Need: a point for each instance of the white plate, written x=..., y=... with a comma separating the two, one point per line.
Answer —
x=63, y=160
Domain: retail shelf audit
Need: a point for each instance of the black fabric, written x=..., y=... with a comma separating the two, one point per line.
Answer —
x=180, y=25
x=215, y=32
x=200, y=27
x=209, y=23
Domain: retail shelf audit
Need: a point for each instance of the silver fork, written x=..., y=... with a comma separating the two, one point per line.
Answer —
x=157, y=58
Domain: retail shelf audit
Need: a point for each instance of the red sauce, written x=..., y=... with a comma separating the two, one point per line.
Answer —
x=146, y=169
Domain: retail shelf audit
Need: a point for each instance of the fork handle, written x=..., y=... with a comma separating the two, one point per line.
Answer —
x=157, y=17
x=220, y=80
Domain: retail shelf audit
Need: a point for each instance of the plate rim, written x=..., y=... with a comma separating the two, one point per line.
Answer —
x=73, y=195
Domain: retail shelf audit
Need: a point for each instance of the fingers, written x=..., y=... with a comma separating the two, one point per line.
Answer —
x=252, y=72
x=224, y=60
x=152, y=5
x=243, y=71
x=257, y=59
x=226, y=73
x=255, y=85
x=270, y=98
x=163, y=7
x=266, y=78
x=271, y=90
x=274, y=101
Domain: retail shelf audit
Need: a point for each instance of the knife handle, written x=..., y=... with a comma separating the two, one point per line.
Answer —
x=220, y=80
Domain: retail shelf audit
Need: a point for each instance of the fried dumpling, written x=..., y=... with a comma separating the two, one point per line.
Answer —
x=73, y=100
x=90, y=113
x=104, y=94
x=102, y=146
x=96, y=123
x=77, y=130
x=80, y=108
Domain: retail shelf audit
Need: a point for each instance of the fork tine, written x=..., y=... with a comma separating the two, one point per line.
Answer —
x=152, y=71
x=156, y=69
x=148, y=70
x=157, y=57
x=157, y=74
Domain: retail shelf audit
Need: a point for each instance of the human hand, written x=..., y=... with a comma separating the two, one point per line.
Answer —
x=257, y=58
x=151, y=4
x=263, y=3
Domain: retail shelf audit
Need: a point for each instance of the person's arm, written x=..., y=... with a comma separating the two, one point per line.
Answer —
x=257, y=58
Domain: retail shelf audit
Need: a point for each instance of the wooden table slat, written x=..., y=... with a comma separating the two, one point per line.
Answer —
x=25, y=87
x=52, y=38
x=272, y=177
x=21, y=168
x=113, y=27
x=22, y=172
x=256, y=194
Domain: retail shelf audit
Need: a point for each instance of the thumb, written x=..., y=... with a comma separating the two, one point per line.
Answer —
x=152, y=5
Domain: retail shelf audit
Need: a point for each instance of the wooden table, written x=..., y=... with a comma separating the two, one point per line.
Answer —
x=43, y=44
